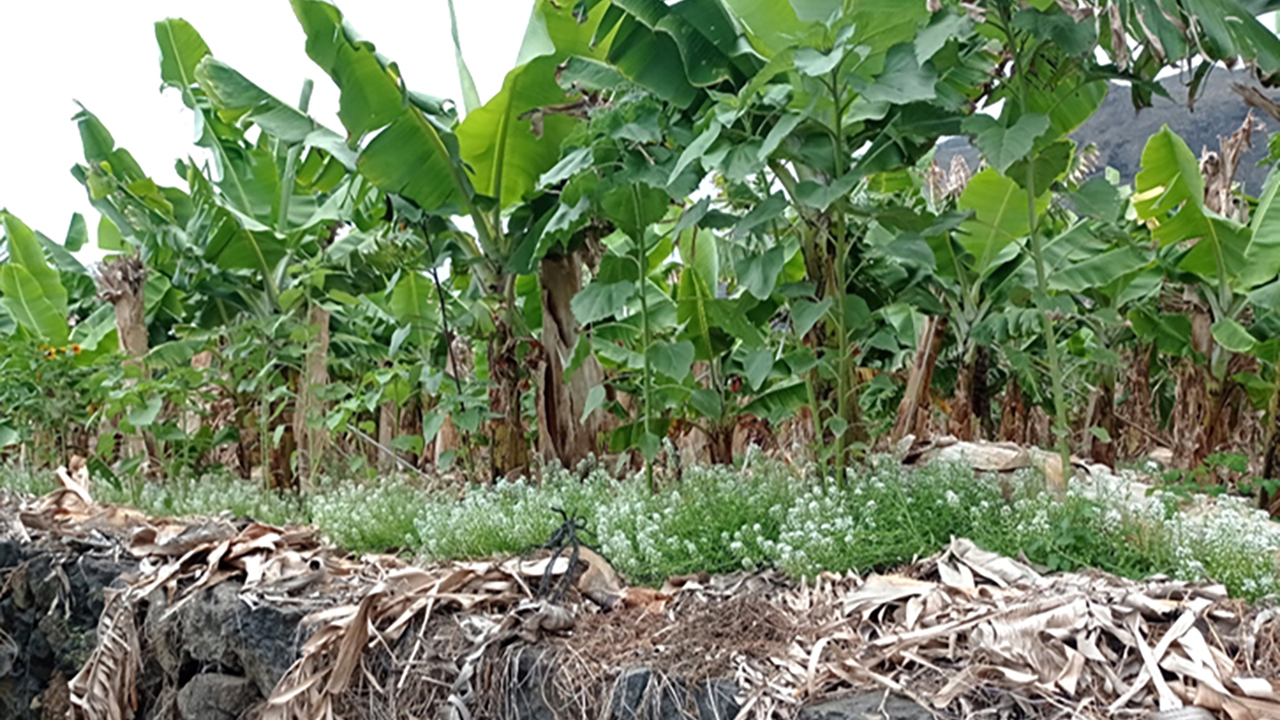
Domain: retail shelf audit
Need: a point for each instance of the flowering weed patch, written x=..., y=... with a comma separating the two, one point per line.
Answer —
x=26, y=481
x=374, y=518
x=718, y=519
x=211, y=494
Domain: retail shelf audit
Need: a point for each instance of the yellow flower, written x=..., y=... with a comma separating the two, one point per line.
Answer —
x=75, y=348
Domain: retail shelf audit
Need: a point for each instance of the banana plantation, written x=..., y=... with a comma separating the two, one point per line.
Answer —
x=760, y=359
x=679, y=230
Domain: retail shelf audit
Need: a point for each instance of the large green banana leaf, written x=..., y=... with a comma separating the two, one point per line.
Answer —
x=237, y=96
x=1170, y=195
x=32, y=290
x=1262, y=257
x=371, y=94
x=181, y=50
x=26, y=252
x=510, y=142
x=415, y=152
x=26, y=301
x=774, y=24
x=1000, y=217
x=672, y=49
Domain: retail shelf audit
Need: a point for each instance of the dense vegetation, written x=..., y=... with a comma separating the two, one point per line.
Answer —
x=678, y=228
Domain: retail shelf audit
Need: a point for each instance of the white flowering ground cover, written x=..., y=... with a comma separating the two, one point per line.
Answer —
x=724, y=519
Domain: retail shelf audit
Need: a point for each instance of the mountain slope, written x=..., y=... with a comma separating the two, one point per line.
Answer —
x=1120, y=133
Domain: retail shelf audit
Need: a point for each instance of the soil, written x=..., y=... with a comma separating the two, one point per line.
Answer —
x=696, y=639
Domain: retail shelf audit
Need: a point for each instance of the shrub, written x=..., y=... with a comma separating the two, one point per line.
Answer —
x=27, y=481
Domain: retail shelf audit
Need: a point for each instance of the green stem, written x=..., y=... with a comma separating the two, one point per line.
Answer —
x=841, y=237
x=1061, y=424
x=641, y=266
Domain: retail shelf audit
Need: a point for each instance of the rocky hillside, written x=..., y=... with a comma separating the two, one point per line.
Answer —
x=1120, y=133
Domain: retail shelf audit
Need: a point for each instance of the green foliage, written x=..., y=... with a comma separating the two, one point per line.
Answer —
x=32, y=290
x=719, y=521
x=210, y=495
x=27, y=482
x=45, y=397
x=509, y=142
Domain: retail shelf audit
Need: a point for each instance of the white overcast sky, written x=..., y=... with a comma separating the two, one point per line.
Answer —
x=104, y=55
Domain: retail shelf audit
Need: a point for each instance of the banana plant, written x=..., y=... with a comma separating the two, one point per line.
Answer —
x=413, y=146
x=1232, y=266
x=51, y=336
x=797, y=90
x=50, y=294
x=32, y=290
x=1105, y=264
x=242, y=239
x=1026, y=142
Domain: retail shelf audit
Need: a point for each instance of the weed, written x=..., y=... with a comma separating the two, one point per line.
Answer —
x=210, y=494
x=718, y=519
x=368, y=517
x=26, y=481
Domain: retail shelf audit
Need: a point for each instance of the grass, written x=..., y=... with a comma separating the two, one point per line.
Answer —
x=26, y=481
x=721, y=519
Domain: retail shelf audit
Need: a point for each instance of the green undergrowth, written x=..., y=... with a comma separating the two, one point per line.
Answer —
x=26, y=481
x=723, y=519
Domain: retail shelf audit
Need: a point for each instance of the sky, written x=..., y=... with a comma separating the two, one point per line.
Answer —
x=104, y=55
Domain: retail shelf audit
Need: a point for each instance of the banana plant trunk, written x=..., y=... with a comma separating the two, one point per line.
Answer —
x=1137, y=410
x=1193, y=399
x=913, y=411
x=720, y=445
x=508, y=450
x=309, y=429
x=1101, y=447
x=971, y=402
x=122, y=282
x=563, y=432
x=1013, y=414
x=387, y=423
x=980, y=400
x=961, y=421
x=460, y=363
x=1269, y=500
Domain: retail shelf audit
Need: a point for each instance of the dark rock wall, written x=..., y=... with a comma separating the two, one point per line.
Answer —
x=49, y=608
x=210, y=659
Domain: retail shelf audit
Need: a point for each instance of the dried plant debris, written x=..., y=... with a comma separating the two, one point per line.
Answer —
x=1067, y=645
x=961, y=633
x=107, y=685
